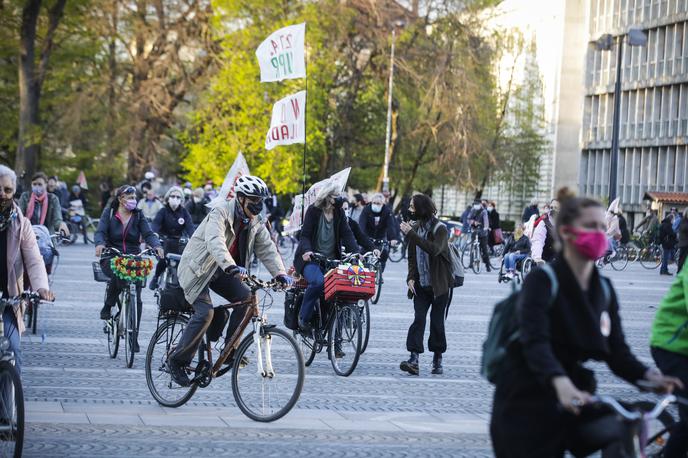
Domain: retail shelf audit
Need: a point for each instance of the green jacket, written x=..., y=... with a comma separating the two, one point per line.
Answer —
x=670, y=328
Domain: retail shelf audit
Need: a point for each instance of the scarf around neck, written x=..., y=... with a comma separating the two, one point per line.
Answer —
x=43, y=200
x=7, y=216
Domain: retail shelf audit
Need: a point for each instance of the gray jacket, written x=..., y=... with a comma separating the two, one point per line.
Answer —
x=208, y=249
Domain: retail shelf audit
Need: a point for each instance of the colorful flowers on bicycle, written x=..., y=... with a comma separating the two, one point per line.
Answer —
x=356, y=275
x=131, y=268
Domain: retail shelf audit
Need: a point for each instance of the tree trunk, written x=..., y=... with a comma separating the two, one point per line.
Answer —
x=27, y=146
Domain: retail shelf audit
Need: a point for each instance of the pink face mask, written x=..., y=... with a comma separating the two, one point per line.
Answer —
x=590, y=244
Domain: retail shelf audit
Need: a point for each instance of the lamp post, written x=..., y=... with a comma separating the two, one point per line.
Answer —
x=388, y=134
x=636, y=37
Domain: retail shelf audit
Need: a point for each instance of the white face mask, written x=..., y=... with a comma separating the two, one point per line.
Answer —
x=377, y=208
x=490, y=209
x=174, y=202
x=477, y=207
x=197, y=200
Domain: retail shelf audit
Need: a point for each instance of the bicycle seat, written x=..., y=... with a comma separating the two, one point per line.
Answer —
x=173, y=257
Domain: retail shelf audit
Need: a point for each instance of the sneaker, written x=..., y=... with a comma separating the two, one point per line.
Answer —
x=304, y=326
x=410, y=366
x=667, y=273
x=178, y=373
x=105, y=313
x=509, y=275
x=488, y=268
x=338, y=352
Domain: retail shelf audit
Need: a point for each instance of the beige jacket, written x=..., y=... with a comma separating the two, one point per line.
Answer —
x=209, y=245
x=22, y=252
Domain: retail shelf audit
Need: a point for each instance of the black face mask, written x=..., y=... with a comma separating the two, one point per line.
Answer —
x=412, y=216
x=255, y=207
x=338, y=202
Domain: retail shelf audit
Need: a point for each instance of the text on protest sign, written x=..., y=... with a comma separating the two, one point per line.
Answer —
x=281, y=55
x=288, y=124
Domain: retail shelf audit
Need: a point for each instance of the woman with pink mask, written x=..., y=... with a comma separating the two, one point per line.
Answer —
x=542, y=388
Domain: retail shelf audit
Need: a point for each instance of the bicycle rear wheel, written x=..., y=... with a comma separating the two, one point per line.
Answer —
x=345, y=339
x=365, y=325
x=378, y=285
x=620, y=259
x=268, y=394
x=11, y=411
x=130, y=330
x=158, y=377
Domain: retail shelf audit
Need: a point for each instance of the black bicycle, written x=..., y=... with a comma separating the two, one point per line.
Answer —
x=382, y=245
x=337, y=323
x=123, y=322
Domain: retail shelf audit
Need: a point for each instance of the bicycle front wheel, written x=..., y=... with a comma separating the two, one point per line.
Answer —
x=651, y=257
x=365, y=325
x=345, y=340
x=158, y=377
x=112, y=331
x=378, y=285
x=11, y=411
x=475, y=259
x=268, y=387
x=130, y=330
x=466, y=257
x=396, y=253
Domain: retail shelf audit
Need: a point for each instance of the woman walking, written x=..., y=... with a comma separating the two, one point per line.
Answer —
x=429, y=278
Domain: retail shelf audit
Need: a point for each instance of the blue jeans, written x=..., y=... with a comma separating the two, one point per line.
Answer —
x=510, y=260
x=316, y=284
x=667, y=256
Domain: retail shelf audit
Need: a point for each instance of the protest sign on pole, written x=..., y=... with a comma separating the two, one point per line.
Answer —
x=301, y=204
x=238, y=168
x=288, y=124
x=81, y=180
x=281, y=55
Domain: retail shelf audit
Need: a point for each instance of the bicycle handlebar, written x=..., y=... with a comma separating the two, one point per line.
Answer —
x=326, y=262
x=147, y=252
x=27, y=295
x=660, y=406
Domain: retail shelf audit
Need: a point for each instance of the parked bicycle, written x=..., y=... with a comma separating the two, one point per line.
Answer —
x=338, y=314
x=11, y=391
x=123, y=322
x=267, y=366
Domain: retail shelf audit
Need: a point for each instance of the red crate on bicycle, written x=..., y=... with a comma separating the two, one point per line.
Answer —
x=349, y=283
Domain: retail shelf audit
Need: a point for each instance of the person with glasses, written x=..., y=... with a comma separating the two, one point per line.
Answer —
x=122, y=226
x=173, y=222
x=216, y=257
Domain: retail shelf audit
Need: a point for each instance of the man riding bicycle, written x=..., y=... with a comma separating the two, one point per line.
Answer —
x=479, y=222
x=215, y=259
x=325, y=229
x=378, y=223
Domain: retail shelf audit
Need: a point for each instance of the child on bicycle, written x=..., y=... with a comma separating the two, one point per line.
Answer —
x=669, y=347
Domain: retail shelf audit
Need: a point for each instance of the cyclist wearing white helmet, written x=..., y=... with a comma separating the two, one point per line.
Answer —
x=216, y=257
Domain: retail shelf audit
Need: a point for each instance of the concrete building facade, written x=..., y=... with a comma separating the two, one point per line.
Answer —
x=653, y=135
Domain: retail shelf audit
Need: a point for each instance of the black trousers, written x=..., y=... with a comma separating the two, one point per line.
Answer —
x=423, y=301
x=230, y=288
x=170, y=246
x=682, y=254
x=115, y=286
x=675, y=364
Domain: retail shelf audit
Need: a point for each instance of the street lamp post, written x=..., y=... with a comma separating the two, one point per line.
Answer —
x=388, y=134
x=636, y=37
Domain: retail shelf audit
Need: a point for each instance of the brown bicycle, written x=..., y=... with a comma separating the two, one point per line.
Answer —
x=267, y=366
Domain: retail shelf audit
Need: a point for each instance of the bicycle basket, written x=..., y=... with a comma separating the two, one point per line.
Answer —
x=350, y=283
x=98, y=274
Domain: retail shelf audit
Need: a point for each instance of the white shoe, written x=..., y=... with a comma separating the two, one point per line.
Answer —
x=509, y=275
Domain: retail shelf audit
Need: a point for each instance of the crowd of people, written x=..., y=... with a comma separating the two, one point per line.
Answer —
x=567, y=312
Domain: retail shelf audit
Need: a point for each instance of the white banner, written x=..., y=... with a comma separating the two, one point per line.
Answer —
x=288, y=124
x=281, y=55
x=238, y=168
x=295, y=219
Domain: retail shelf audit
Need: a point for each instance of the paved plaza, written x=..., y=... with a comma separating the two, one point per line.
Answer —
x=81, y=403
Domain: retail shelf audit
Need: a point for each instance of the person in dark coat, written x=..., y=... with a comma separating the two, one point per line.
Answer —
x=495, y=224
x=667, y=238
x=623, y=228
x=196, y=206
x=429, y=278
x=683, y=240
x=325, y=230
x=531, y=210
x=378, y=223
x=122, y=226
x=542, y=387
x=173, y=222
x=363, y=240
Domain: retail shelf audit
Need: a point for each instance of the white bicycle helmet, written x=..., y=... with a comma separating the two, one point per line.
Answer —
x=251, y=186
